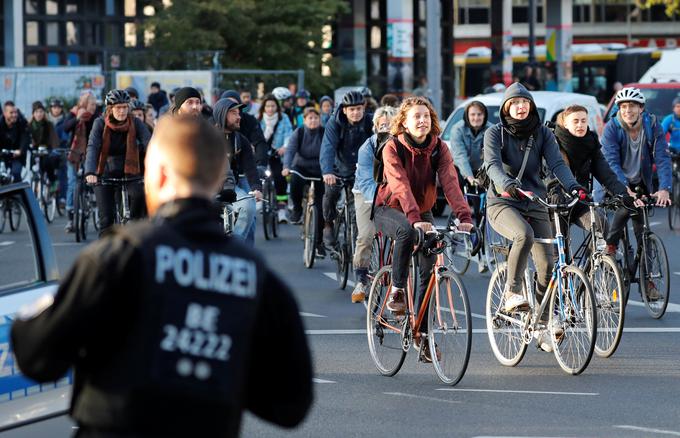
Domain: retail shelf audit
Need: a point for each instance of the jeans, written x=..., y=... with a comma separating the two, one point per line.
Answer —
x=297, y=188
x=17, y=167
x=393, y=223
x=71, y=174
x=280, y=183
x=365, y=232
x=247, y=213
x=330, y=201
x=521, y=224
x=106, y=204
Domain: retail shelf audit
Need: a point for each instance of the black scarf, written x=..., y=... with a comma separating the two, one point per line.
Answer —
x=411, y=141
x=522, y=128
x=579, y=150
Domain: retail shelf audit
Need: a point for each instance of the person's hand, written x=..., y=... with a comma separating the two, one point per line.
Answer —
x=17, y=152
x=465, y=227
x=513, y=191
x=424, y=226
x=329, y=179
x=285, y=172
x=257, y=194
x=80, y=112
x=631, y=193
x=663, y=198
x=281, y=151
x=581, y=194
x=91, y=179
x=471, y=180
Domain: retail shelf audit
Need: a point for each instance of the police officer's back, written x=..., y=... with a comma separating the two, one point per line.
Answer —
x=172, y=328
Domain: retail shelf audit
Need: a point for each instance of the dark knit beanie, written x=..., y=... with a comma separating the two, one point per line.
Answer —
x=185, y=93
x=38, y=105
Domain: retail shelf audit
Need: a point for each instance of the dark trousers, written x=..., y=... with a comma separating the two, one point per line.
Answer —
x=17, y=166
x=279, y=180
x=106, y=204
x=297, y=188
x=330, y=201
x=620, y=220
x=393, y=223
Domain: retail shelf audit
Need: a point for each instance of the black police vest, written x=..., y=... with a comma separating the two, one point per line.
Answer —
x=200, y=305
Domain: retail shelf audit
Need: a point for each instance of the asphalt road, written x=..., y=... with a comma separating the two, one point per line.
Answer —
x=632, y=394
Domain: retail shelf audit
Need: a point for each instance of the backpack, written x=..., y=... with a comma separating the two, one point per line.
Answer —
x=379, y=166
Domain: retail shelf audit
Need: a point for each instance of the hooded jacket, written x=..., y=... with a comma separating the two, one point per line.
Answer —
x=251, y=130
x=504, y=153
x=15, y=137
x=241, y=156
x=341, y=143
x=466, y=147
x=302, y=154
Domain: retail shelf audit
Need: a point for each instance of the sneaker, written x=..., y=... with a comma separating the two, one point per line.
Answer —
x=396, y=303
x=69, y=227
x=543, y=336
x=283, y=217
x=359, y=292
x=426, y=355
x=328, y=235
x=296, y=217
x=514, y=302
x=652, y=292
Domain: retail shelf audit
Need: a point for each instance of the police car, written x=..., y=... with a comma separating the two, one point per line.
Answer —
x=28, y=270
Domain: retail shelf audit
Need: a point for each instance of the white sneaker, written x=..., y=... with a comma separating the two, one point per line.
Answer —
x=283, y=216
x=515, y=302
x=481, y=265
x=543, y=336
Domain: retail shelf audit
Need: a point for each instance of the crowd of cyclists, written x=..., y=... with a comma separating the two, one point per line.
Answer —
x=390, y=155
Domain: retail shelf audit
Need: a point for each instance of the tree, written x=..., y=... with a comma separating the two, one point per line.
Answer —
x=672, y=6
x=262, y=34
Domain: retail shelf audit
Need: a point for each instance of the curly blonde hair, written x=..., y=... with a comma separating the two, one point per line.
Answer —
x=397, y=126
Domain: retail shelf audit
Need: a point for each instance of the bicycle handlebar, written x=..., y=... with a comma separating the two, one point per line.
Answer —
x=304, y=177
x=118, y=181
x=537, y=199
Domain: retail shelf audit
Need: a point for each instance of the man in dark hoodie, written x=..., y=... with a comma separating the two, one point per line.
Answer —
x=14, y=136
x=157, y=98
x=513, y=216
x=227, y=117
x=344, y=135
x=251, y=129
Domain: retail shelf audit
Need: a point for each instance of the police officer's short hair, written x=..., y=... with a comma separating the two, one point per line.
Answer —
x=197, y=149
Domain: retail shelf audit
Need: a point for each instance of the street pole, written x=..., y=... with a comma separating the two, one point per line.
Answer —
x=434, y=53
x=532, y=34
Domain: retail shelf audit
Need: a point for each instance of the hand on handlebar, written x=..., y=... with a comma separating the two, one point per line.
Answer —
x=424, y=226
x=91, y=179
x=513, y=191
x=582, y=194
x=329, y=179
x=285, y=172
x=257, y=195
x=465, y=227
x=663, y=198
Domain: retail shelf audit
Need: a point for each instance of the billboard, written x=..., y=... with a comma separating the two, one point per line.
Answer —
x=169, y=80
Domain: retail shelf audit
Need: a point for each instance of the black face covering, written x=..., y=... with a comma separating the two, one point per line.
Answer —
x=522, y=128
x=578, y=149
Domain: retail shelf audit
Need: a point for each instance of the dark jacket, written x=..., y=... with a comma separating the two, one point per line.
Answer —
x=16, y=137
x=302, y=154
x=341, y=143
x=158, y=100
x=504, y=153
x=127, y=376
x=250, y=128
x=115, y=162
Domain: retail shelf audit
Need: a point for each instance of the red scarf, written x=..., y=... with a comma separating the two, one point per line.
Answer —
x=79, y=143
x=131, y=150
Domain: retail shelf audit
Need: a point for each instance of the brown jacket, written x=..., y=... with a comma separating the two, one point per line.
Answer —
x=410, y=187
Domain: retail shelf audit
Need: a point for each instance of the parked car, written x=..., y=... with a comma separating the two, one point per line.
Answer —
x=549, y=105
x=29, y=270
x=659, y=98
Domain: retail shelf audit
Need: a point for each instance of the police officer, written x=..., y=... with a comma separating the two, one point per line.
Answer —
x=171, y=326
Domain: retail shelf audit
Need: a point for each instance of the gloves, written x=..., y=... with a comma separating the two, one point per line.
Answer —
x=628, y=202
x=513, y=191
x=582, y=194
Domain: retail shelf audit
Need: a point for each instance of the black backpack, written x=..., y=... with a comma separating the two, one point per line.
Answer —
x=379, y=166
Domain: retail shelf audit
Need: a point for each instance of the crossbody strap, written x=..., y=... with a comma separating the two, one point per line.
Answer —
x=530, y=145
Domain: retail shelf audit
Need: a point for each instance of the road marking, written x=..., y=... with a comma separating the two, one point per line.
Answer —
x=7, y=243
x=312, y=315
x=651, y=330
x=66, y=244
x=677, y=272
x=331, y=275
x=422, y=397
x=483, y=331
x=315, y=380
x=648, y=430
x=654, y=223
x=336, y=332
x=675, y=308
x=460, y=312
x=512, y=391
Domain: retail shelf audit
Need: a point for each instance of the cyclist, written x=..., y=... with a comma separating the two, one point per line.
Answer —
x=467, y=139
x=632, y=142
x=403, y=205
x=43, y=134
x=671, y=124
x=78, y=124
x=115, y=149
x=326, y=106
x=187, y=101
x=56, y=116
x=302, y=155
x=138, y=109
x=227, y=117
x=364, y=191
x=301, y=102
x=521, y=138
x=345, y=133
x=14, y=136
x=250, y=128
x=285, y=98
x=277, y=131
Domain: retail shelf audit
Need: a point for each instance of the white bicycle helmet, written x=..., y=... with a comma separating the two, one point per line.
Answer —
x=281, y=93
x=630, y=94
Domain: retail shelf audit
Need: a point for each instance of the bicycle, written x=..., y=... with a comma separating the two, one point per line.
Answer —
x=653, y=270
x=84, y=207
x=569, y=297
x=607, y=283
x=674, y=209
x=449, y=324
x=10, y=209
x=344, y=231
x=269, y=212
x=46, y=196
x=122, y=199
x=486, y=235
x=310, y=223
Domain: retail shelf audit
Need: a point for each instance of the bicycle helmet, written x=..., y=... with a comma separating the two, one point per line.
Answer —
x=366, y=92
x=353, y=98
x=282, y=93
x=137, y=105
x=303, y=94
x=115, y=97
x=56, y=102
x=630, y=94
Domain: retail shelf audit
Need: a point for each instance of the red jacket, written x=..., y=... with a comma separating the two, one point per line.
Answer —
x=410, y=187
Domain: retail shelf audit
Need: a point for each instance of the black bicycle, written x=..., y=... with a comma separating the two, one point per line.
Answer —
x=344, y=231
x=310, y=221
x=674, y=209
x=10, y=209
x=269, y=219
x=122, y=198
x=44, y=190
x=85, y=210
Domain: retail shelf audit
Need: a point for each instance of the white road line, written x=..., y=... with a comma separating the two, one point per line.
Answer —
x=654, y=223
x=422, y=397
x=648, y=430
x=312, y=315
x=460, y=312
x=512, y=391
x=315, y=380
x=7, y=243
x=336, y=332
x=65, y=244
x=677, y=272
x=674, y=308
x=331, y=275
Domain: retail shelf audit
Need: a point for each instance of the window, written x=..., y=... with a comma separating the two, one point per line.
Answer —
x=92, y=34
x=73, y=59
x=71, y=33
x=32, y=33
x=71, y=6
x=130, y=8
x=31, y=6
x=110, y=7
x=375, y=10
x=130, y=34
x=17, y=249
x=112, y=35
x=53, y=58
x=51, y=7
x=52, y=34
x=376, y=37
x=32, y=59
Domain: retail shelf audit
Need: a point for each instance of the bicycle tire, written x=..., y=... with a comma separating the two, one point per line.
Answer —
x=608, y=287
x=342, y=265
x=384, y=341
x=505, y=338
x=659, y=275
x=491, y=237
x=77, y=210
x=575, y=347
x=450, y=328
x=266, y=212
x=674, y=209
x=15, y=213
x=458, y=254
x=376, y=261
x=310, y=226
x=273, y=217
x=4, y=212
x=87, y=213
x=49, y=201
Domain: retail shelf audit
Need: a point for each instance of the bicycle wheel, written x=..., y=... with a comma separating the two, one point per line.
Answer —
x=309, y=227
x=14, y=214
x=376, y=256
x=341, y=257
x=383, y=329
x=449, y=328
x=674, y=209
x=607, y=284
x=3, y=213
x=267, y=212
x=273, y=217
x=573, y=311
x=505, y=336
x=491, y=237
x=654, y=273
x=77, y=210
x=49, y=200
x=458, y=254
